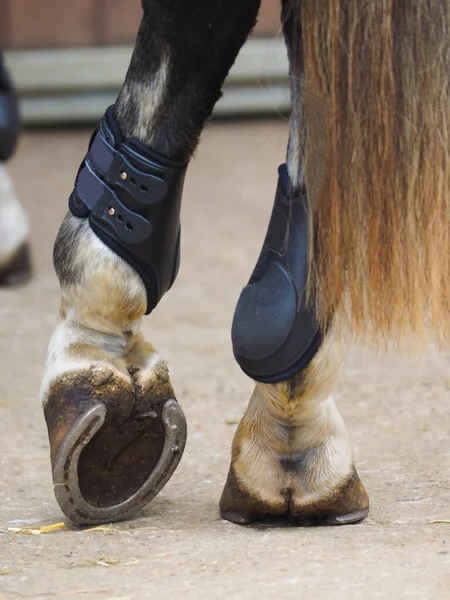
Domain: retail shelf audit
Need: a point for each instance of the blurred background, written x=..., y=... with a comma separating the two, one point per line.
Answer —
x=68, y=59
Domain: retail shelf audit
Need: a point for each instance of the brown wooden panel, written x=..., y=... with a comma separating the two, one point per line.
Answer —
x=50, y=23
x=66, y=23
x=3, y=24
x=119, y=21
x=269, y=18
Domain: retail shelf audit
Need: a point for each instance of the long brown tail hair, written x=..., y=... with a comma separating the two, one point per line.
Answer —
x=375, y=96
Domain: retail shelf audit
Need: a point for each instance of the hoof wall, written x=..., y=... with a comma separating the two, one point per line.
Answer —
x=349, y=504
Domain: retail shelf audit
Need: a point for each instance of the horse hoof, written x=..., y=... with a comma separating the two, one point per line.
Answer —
x=347, y=504
x=113, y=448
x=17, y=269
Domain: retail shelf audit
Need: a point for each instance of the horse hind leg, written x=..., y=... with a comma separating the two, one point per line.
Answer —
x=116, y=431
x=291, y=454
x=15, y=265
x=377, y=181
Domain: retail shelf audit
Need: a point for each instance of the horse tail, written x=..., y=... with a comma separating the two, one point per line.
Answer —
x=374, y=97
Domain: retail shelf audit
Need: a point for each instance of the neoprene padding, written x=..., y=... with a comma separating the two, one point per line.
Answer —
x=274, y=332
x=9, y=115
x=132, y=197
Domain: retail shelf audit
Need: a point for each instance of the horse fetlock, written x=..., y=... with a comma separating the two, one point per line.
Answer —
x=100, y=291
x=300, y=467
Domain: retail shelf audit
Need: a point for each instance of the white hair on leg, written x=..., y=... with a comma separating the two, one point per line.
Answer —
x=148, y=97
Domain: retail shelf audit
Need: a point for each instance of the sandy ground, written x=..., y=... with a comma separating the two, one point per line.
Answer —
x=397, y=411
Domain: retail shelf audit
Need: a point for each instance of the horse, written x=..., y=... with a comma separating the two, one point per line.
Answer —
x=357, y=247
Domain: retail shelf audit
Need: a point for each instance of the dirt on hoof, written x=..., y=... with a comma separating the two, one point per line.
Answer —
x=347, y=504
x=106, y=441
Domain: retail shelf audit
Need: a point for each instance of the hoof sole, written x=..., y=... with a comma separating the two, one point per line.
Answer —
x=109, y=461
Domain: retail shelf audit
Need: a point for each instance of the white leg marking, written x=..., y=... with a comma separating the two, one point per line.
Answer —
x=148, y=97
x=316, y=435
x=93, y=309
